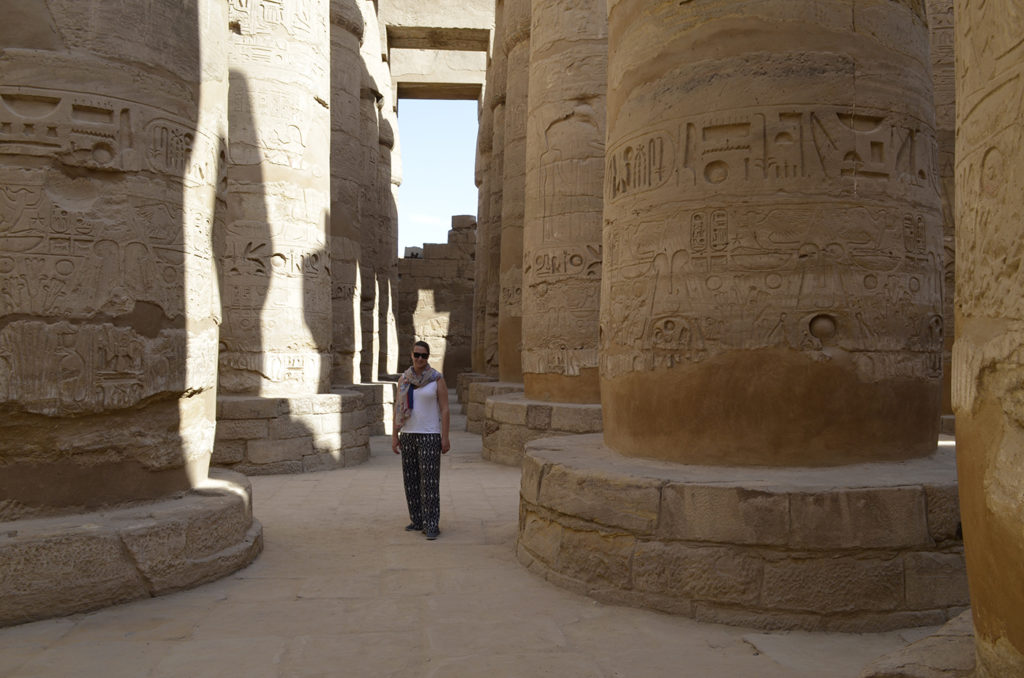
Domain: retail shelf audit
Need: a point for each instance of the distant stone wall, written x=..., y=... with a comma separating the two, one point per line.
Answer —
x=435, y=300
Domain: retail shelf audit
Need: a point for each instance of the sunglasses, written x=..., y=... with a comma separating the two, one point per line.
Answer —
x=420, y=355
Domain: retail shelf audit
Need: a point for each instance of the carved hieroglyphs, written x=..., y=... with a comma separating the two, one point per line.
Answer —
x=516, y=45
x=108, y=177
x=773, y=247
x=988, y=364
x=564, y=181
x=275, y=265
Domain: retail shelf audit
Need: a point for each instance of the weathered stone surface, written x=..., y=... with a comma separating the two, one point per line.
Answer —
x=935, y=580
x=269, y=451
x=435, y=298
x=67, y=564
x=859, y=518
x=842, y=584
x=511, y=420
x=948, y=653
x=563, y=200
x=732, y=515
x=479, y=393
x=109, y=183
x=272, y=251
x=943, y=512
x=988, y=363
x=690, y=572
x=716, y=542
x=757, y=196
x=598, y=558
x=623, y=502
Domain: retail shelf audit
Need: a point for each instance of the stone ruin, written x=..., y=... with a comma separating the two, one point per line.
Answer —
x=707, y=303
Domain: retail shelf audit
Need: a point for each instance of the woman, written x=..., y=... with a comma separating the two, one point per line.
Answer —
x=421, y=414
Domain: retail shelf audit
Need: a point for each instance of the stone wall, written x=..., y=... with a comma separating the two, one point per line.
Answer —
x=435, y=300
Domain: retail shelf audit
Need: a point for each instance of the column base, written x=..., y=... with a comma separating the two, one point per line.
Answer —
x=379, y=397
x=858, y=548
x=462, y=387
x=511, y=421
x=947, y=653
x=297, y=434
x=479, y=392
x=76, y=563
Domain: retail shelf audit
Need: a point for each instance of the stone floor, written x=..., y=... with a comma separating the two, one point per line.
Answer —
x=342, y=590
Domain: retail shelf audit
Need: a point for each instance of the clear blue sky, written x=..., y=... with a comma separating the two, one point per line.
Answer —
x=438, y=143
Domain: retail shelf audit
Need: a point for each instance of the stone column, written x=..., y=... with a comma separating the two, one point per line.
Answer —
x=481, y=259
x=111, y=125
x=516, y=44
x=564, y=184
x=940, y=27
x=770, y=317
x=502, y=254
x=497, y=76
x=346, y=168
x=988, y=365
x=275, y=412
x=387, y=265
x=773, y=235
x=562, y=233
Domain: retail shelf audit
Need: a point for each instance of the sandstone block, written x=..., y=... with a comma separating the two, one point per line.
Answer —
x=576, y=418
x=506, y=410
x=943, y=512
x=542, y=537
x=229, y=407
x=227, y=452
x=321, y=403
x=538, y=417
x=529, y=486
x=356, y=455
x=598, y=558
x=833, y=584
x=615, y=501
x=294, y=425
x=241, y=429
x=732, y=515
x=722, y=574
x=883, y=517
x=271, y=451
x=935, y=580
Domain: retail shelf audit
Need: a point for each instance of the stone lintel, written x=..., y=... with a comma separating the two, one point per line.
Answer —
x=69, y=564
x=850, y=548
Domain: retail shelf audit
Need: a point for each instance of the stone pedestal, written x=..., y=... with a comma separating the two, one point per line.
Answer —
x=511, y=420
x=75, y=563
x=863, y=548
x=463, y=383
x=988, y=363
x=260, y=436
x=379, y=399
x=478, y=394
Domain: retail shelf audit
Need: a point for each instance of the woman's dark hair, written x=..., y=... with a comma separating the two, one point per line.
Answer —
x=424, y=345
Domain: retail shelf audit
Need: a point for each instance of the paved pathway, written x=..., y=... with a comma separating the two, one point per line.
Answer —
x=342, y=590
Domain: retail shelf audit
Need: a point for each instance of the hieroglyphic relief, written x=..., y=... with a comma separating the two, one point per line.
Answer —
x=990, y=38
x=282, y=34
x=70, y=368
x=795, y=147
x=765, y=271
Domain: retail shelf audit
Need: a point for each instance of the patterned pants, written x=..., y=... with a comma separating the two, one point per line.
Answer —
x=421, y=471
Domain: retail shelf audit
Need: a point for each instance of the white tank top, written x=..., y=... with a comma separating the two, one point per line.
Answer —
x=425, y=416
